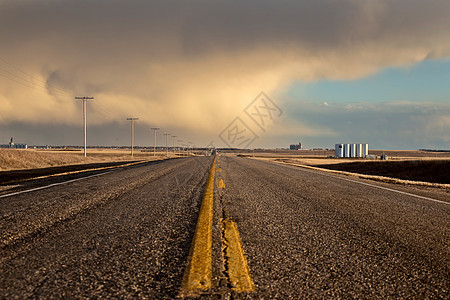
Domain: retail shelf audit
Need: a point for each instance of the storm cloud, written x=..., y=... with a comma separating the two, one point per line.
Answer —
x=196, y=64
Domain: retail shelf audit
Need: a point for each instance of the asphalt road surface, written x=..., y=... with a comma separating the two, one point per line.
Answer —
x=305, y=234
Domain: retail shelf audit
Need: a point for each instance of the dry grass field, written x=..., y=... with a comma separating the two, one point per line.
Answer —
x=436, y=171
x=19, y=159
x=322, y=154
x=402, y=164
x=414, y=165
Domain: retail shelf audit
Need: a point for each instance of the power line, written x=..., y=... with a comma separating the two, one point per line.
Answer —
x=44, y=82
x=102, y=110
x=28, y=85
x=20, y=70
x=13, y=73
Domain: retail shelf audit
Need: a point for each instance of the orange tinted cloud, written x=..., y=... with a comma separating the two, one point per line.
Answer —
x=197, y=64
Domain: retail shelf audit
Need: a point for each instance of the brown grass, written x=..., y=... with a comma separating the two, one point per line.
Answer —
x=407, y=165
x=436, y=171
x=324, y=154
x=433, y=170
x=18, y=159
x=372, y=177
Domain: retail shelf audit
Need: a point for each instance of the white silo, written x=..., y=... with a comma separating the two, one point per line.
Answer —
x=365, y=150
x=339, y=150
x=359, y=150
x=352, y=150
x=346, y=150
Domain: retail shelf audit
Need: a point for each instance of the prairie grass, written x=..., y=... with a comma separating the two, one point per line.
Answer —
x=436, y=171
x=18, y=159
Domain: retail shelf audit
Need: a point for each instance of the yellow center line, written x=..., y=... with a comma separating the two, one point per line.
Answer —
x=238, y=270
x=197, y=275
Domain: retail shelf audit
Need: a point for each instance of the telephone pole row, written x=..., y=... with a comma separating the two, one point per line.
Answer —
x=85, y=98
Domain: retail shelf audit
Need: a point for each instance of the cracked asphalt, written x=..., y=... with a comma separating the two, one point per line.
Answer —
x=127, y=234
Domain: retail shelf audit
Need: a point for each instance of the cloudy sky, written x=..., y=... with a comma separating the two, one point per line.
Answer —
x=373, y=71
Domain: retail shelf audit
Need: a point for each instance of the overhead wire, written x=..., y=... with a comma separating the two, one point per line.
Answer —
x=30, y=84
x=45, y=83
x=19, y=76
x=29, y=81
x=22, y=81
x=99, y=108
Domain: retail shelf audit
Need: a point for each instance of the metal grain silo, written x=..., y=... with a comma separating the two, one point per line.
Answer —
x=365, y=150
x=339, y=150
x=352, y=150
x=346, y=150
x=359, y=150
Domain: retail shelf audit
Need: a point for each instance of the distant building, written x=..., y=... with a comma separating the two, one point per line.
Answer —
x=296, y=146
x=20, y=146
x=12, y=145
x=351, y=150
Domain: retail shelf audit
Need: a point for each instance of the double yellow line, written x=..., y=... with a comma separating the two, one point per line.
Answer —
x=198, y=273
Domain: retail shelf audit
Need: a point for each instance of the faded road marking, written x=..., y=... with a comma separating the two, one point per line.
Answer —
x=235, y=262
x=221, y=184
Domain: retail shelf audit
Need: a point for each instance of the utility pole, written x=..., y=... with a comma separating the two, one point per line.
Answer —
x=190, y=147
x=154, y=145
x=167, y=147
x=84, y=118
x=173, y=143
x=132, y=133
x=179, y=146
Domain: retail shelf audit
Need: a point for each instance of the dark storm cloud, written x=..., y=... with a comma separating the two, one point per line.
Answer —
x=196, y=64
x=197, y=27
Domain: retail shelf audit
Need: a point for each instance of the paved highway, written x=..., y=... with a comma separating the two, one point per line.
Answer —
x=235, y=227
x=126, y=233
x=308, y=235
